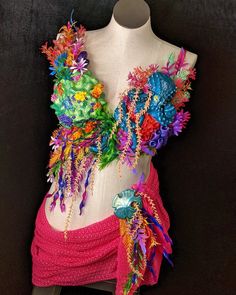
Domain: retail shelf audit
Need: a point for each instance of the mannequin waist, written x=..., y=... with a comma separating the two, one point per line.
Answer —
x=107, y=183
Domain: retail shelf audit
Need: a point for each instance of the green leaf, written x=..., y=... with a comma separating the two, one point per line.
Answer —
x=171, y=58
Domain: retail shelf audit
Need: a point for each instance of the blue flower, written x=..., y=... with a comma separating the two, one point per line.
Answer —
x=59, y=62
x=67, y=103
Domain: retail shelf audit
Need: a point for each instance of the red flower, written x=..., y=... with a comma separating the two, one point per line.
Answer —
x=149, y=126
x=192, y=73
x=179, y=83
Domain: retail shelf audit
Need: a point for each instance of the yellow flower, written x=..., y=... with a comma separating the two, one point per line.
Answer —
x=97, y=90
x=80, y=95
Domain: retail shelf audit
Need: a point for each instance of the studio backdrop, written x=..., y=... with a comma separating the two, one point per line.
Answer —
x=196, y=169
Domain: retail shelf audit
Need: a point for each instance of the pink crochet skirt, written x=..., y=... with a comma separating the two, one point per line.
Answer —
x=93, y=253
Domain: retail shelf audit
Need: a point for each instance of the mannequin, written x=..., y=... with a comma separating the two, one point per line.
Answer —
x=126, y=42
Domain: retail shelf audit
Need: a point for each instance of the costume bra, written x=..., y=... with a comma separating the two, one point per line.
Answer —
x=89, y=135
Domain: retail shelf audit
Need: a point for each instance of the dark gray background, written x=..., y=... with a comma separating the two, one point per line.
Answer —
x=196, y=170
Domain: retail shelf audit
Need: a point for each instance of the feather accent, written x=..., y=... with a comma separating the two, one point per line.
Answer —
x=180, y=62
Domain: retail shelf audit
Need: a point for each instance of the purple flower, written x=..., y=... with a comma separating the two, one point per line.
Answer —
x=64, y=119
x=160, y=137
x=77, y=46
x=180, y=120
x=81, y=63
x=147, y=150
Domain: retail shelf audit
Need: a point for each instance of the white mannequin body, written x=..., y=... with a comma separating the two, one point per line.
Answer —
x=113, y=52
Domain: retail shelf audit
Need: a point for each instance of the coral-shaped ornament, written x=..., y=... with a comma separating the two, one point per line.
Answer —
x=162, y=85
x=161, y=108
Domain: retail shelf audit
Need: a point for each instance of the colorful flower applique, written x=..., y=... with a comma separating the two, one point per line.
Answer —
x=81, y=108
x=153, y=107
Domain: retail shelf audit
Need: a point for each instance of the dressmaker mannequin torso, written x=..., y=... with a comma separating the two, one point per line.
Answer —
x=126, y=42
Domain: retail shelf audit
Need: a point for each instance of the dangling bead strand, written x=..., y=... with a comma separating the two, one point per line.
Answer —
x=128, y=142
x=68, y=219
x=137, y=129
x=116, y=124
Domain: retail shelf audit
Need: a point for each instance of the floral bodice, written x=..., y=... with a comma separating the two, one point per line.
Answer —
x=89, y=135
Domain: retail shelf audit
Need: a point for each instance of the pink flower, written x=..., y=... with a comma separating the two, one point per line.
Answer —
x=53, y=97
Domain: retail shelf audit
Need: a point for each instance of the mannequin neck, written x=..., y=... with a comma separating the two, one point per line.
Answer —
x=129, y=35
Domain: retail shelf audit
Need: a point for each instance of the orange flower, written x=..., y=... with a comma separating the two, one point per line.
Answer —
x=97, y=105
x=97, y=90
x=69, y=59
x=67, y=32
x=75, y=135
x=89, y=126
x=54, y=157
x=60, y=89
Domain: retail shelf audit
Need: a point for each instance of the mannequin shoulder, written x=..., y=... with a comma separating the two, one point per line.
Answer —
x=167, y=48
x=93, y=34
x=191, y=58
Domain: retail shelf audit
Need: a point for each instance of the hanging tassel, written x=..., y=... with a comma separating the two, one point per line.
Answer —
x=84, y=196
x=53, y=203
x=153, y=219
x=166, y=255
x=149, y=263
